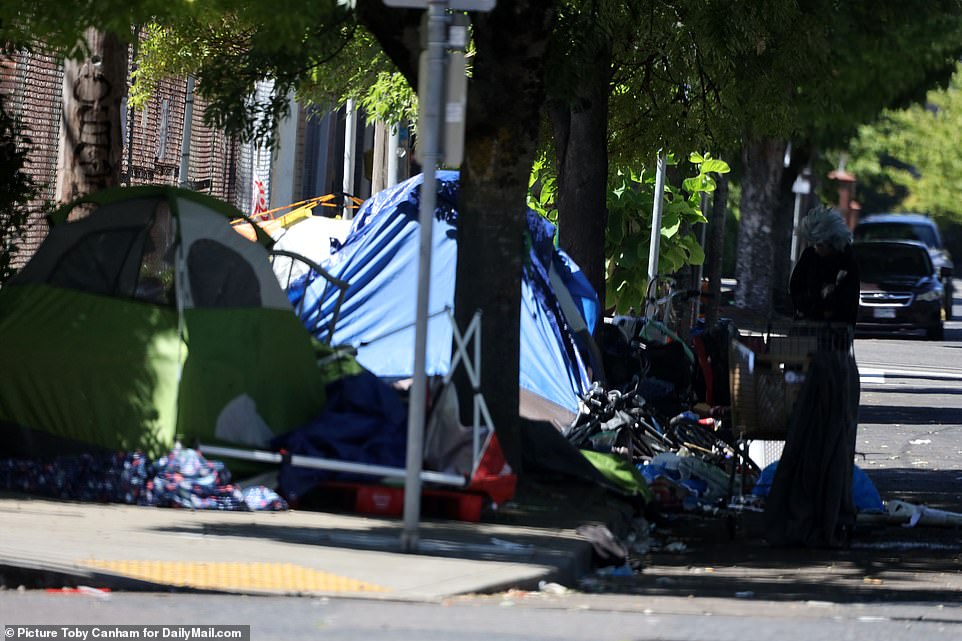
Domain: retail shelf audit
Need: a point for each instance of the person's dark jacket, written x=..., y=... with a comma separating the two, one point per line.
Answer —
x=826, y=288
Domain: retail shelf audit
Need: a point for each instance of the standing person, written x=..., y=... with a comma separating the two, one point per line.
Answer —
x=810, y=502
x=825, y=283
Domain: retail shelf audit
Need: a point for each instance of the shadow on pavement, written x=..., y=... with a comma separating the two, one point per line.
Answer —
x=884, y=563
x=923, y=390
x=941, y=489
x=897, y=414
x=721, y=556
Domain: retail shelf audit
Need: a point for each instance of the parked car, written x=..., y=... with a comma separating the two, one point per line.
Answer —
x=913, y=227
x=900, y=288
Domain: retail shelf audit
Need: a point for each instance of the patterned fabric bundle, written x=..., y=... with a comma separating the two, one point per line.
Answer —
x=182, y=478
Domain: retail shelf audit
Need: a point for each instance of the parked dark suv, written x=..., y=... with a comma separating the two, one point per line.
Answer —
x=900, y=288
x=912, y=227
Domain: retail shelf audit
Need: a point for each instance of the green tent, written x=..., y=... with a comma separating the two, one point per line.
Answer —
x=144, y=319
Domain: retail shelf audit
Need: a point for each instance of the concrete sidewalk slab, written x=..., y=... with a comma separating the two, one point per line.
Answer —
x=294, y=552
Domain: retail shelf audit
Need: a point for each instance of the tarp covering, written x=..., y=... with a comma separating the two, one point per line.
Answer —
x=621, y=473
x=379, y=259
x=364, y=421
x=864, y=494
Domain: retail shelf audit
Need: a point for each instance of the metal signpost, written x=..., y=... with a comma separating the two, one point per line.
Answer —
x=432, y=100
x=655, y=243
x=802, y=186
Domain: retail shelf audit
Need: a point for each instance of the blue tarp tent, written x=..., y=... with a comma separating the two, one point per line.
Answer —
x=379, y=258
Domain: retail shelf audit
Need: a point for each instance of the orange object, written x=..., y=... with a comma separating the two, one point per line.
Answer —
x=384, y=500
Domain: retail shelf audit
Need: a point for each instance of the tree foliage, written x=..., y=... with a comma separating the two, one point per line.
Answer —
x=630, y=199
x=910, y=160
x=315, y=50
x=883, y=56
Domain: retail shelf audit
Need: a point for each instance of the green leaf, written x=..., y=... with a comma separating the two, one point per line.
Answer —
x=671, y=258
x=671, y=227
x=693, y=185
x=696, y=255
x=717, y=166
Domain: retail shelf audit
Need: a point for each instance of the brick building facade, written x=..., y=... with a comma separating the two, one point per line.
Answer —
x=310, y=160
x=32, y=85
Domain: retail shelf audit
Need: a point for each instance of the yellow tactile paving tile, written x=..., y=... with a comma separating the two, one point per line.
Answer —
x=234, y=576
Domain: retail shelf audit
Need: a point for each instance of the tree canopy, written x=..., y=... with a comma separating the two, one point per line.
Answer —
x=909, y=159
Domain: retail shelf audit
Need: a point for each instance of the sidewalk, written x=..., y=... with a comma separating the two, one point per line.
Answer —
x=49, y=544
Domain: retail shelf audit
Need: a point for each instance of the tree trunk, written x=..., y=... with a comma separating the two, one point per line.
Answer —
x=505, y=97
x=91, y=146
x=504, y=103
x=716, y=248
x=755, y=263
x=581, y=144
x=784, y=229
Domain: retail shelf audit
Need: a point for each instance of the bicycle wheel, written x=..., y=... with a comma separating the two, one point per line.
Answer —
x=648, y=441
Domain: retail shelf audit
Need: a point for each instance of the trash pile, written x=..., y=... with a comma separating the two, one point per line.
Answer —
x=182, y=478
x=666, y=408
x=690, y=460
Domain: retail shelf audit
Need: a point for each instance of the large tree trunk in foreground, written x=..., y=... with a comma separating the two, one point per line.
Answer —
x=581, y=139
x=505, y=98
x=754, y=266
x=91, y=145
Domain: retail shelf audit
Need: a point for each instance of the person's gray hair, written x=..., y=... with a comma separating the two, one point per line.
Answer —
x=825, y=226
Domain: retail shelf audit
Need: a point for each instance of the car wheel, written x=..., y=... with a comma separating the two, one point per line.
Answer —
x=936, y=332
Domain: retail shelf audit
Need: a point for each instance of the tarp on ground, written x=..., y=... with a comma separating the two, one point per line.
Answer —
x=379, y=258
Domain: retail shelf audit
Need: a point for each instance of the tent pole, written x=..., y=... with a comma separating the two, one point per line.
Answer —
x=318, y=463
x=431, y=156
x=478, y=399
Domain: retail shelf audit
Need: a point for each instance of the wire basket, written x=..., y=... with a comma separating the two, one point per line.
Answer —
x=767, y=373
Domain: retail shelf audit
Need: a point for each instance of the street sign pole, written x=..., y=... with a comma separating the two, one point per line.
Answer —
x=431, y=154
x=801, y=187
x=655, y=244
x=429, y=134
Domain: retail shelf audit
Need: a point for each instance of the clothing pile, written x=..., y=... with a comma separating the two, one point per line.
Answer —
x=182, y=478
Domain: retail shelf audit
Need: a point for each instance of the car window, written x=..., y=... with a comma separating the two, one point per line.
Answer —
x=879, y=262
x=897, y=231
x=925, y=234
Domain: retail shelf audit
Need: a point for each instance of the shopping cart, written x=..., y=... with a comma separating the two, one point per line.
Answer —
x=767, y=372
